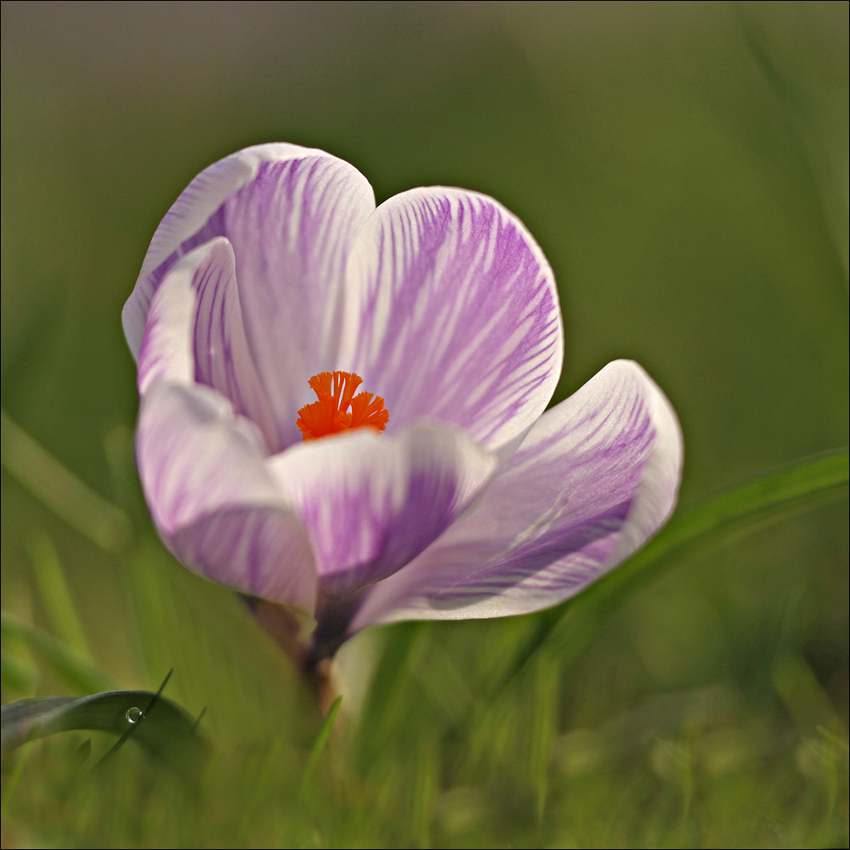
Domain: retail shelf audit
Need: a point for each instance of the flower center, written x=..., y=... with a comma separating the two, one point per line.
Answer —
x=338, y=409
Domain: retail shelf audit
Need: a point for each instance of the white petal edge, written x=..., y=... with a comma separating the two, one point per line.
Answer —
x=190, y=212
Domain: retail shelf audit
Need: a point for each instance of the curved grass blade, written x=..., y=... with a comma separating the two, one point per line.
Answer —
x=62, y=659
x=381, y=703
x=61, y=491
x=14, y=778
x=825, y=181
x=166, y=732
x=15, y=675
x=56, y=594
x=714, y=519
x=82, y=753
x=319, y=746
x=135, y=717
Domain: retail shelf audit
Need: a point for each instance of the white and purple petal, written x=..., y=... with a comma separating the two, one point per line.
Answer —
x=186, y=217
x=594, y=479
x=212, y=499
x=195, y=334
x=291, y=215
x=451, y=312
x=274, y=265
x=372, y=502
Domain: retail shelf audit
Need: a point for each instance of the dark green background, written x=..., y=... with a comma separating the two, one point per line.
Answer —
x=684, y=167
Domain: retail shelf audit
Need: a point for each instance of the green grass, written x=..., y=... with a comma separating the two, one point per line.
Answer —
x=454, y=745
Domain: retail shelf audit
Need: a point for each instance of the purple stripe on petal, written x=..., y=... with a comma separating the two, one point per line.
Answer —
x=587, y=543
x=291, y=215
x=212, y=500
x=195, y=334
x=451, y=312
x=190, y=213
x=257, y=550
x=593, y=480
x=372, y=503
x=291, y=230
x=221, y=356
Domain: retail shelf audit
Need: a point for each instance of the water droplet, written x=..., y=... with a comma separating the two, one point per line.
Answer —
x=133, y=715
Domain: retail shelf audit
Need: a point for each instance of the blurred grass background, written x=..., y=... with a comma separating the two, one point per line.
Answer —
x=685, y=168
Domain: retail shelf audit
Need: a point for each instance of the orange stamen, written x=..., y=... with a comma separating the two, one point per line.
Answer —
x=330, y=414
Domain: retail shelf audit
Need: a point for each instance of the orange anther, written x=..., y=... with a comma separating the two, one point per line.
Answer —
x=331, y=413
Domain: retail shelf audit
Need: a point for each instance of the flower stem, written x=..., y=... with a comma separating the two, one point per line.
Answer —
x=291, y=633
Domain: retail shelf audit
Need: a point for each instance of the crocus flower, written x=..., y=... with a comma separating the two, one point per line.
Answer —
x=342, y=406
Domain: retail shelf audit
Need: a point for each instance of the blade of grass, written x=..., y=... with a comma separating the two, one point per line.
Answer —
x=826, y=183
x=82, y=753
x=738, y=509
x=56, y=595
x=61, y=491
x=134, y=725
x=166, y=733
x=15, y=675
x=803, y=695
x=319, y=746
x=63, y=660
x=200, y=717
x=16, y=773
x=397, y=658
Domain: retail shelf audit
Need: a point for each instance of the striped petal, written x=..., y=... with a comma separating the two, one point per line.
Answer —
x=212, y=499
x=189, y=214
x=195, y=333
x=451, y=312
x=594, y=479
x=371, y=503
x=291, y=215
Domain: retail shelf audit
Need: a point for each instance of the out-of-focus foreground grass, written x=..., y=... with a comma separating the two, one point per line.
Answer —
x=684, y=167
